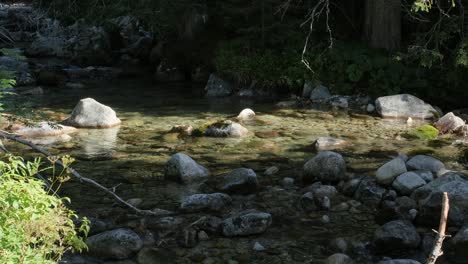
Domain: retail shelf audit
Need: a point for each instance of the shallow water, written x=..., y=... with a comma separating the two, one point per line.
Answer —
x=133, y=155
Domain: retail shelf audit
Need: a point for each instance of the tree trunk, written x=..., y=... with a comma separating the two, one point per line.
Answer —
x=382, y=27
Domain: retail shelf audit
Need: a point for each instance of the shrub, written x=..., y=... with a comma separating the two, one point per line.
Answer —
x=35, y=226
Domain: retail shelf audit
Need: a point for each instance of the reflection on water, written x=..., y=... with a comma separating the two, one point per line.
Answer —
x=97, y=143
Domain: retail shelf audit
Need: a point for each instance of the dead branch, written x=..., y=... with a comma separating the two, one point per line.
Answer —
x=155, y=212
x=437, y=250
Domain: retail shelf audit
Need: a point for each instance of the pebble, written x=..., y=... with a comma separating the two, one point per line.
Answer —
x=325, y=219
x=258, y=247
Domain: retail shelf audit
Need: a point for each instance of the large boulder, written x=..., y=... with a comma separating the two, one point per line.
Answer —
x=182, y=168
x=209, y=202
x=91, y=114
x=396, y=235
x=404, y=106
x=246, y=114
x=246, y=223
x=226, y=129
x=326, y=166
x=390, y=170
x=217, y=87
x=320, y=93
x=429, y=198
x=238, y=181
x=119, y=243
x=458, y=246
x=407, y=182
x=426, y=163
x=449, y=123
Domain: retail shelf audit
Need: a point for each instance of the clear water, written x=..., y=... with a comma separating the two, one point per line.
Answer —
x=133, y=155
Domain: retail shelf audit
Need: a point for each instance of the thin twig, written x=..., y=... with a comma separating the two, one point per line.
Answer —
x=155, y=212
x=437, y=250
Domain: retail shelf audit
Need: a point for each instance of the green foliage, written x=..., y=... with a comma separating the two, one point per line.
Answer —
x=426, y=132
x=35, y=226
x=7, y=79
x=461, y=59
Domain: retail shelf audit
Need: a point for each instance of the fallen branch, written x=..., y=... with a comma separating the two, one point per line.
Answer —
x=155, y=212
x=437, y=250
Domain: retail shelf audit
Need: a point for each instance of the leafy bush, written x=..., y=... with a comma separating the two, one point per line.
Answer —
x=35, y=227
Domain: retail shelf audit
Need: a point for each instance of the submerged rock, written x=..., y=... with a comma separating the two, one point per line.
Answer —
x=210, y=202
x=407, y=182
x=238, y=181
x=217, y=87
x=426, y=132
x=390, y=170
x=339, y=258
x=396, y=235
x=246, y=223
x=44, y=129
x=120, y=243
x=449, y=123
x=325, y=166
x=323, y=143
x=92, y=114
x=226, y=129
x=404, y=106
x=182, y=168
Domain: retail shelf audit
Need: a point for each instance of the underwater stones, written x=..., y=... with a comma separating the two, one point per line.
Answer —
x=396, y=235
x=114, y=244
x=390, y=170
x=407, y=182
x=427, y=163
x=91, y=114
x=238, y=181
x=182, y=168
x=449, y=123
x=404, y=106
x=399, y=261
x=246, y=114
x=323, y=143
x=217, y=87
x=226, y=129
x=246, y=223
x=458, y=246
x=209, y=202
x=44, y=129
x=325, y=166
x=369, y=192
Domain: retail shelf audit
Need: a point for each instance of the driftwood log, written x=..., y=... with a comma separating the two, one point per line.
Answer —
x=437, y=249
x=85, y=180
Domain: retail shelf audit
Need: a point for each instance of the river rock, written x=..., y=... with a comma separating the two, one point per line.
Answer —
x=44, y=129
x=209, y=202
x=339, y=101
x=399, y=261
x=404, y=106
x=425, y=175
x=339, y=258
x=307, y=89
x=246, y=114
x=226, y=129
x=325, y=166
x=92, y=114
x=307, y=202
x=390, y=170
x=217, y=87
x=238, y=181
x=320, y=93
x=458, y=246
x=246, y=223
x=423, y=162
x=449, y=123
x=407, y=182
x=429, y=198
x=369, y=192
x=323, y=143
x=396, y=235
x=119, y=243
x=182, y=168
